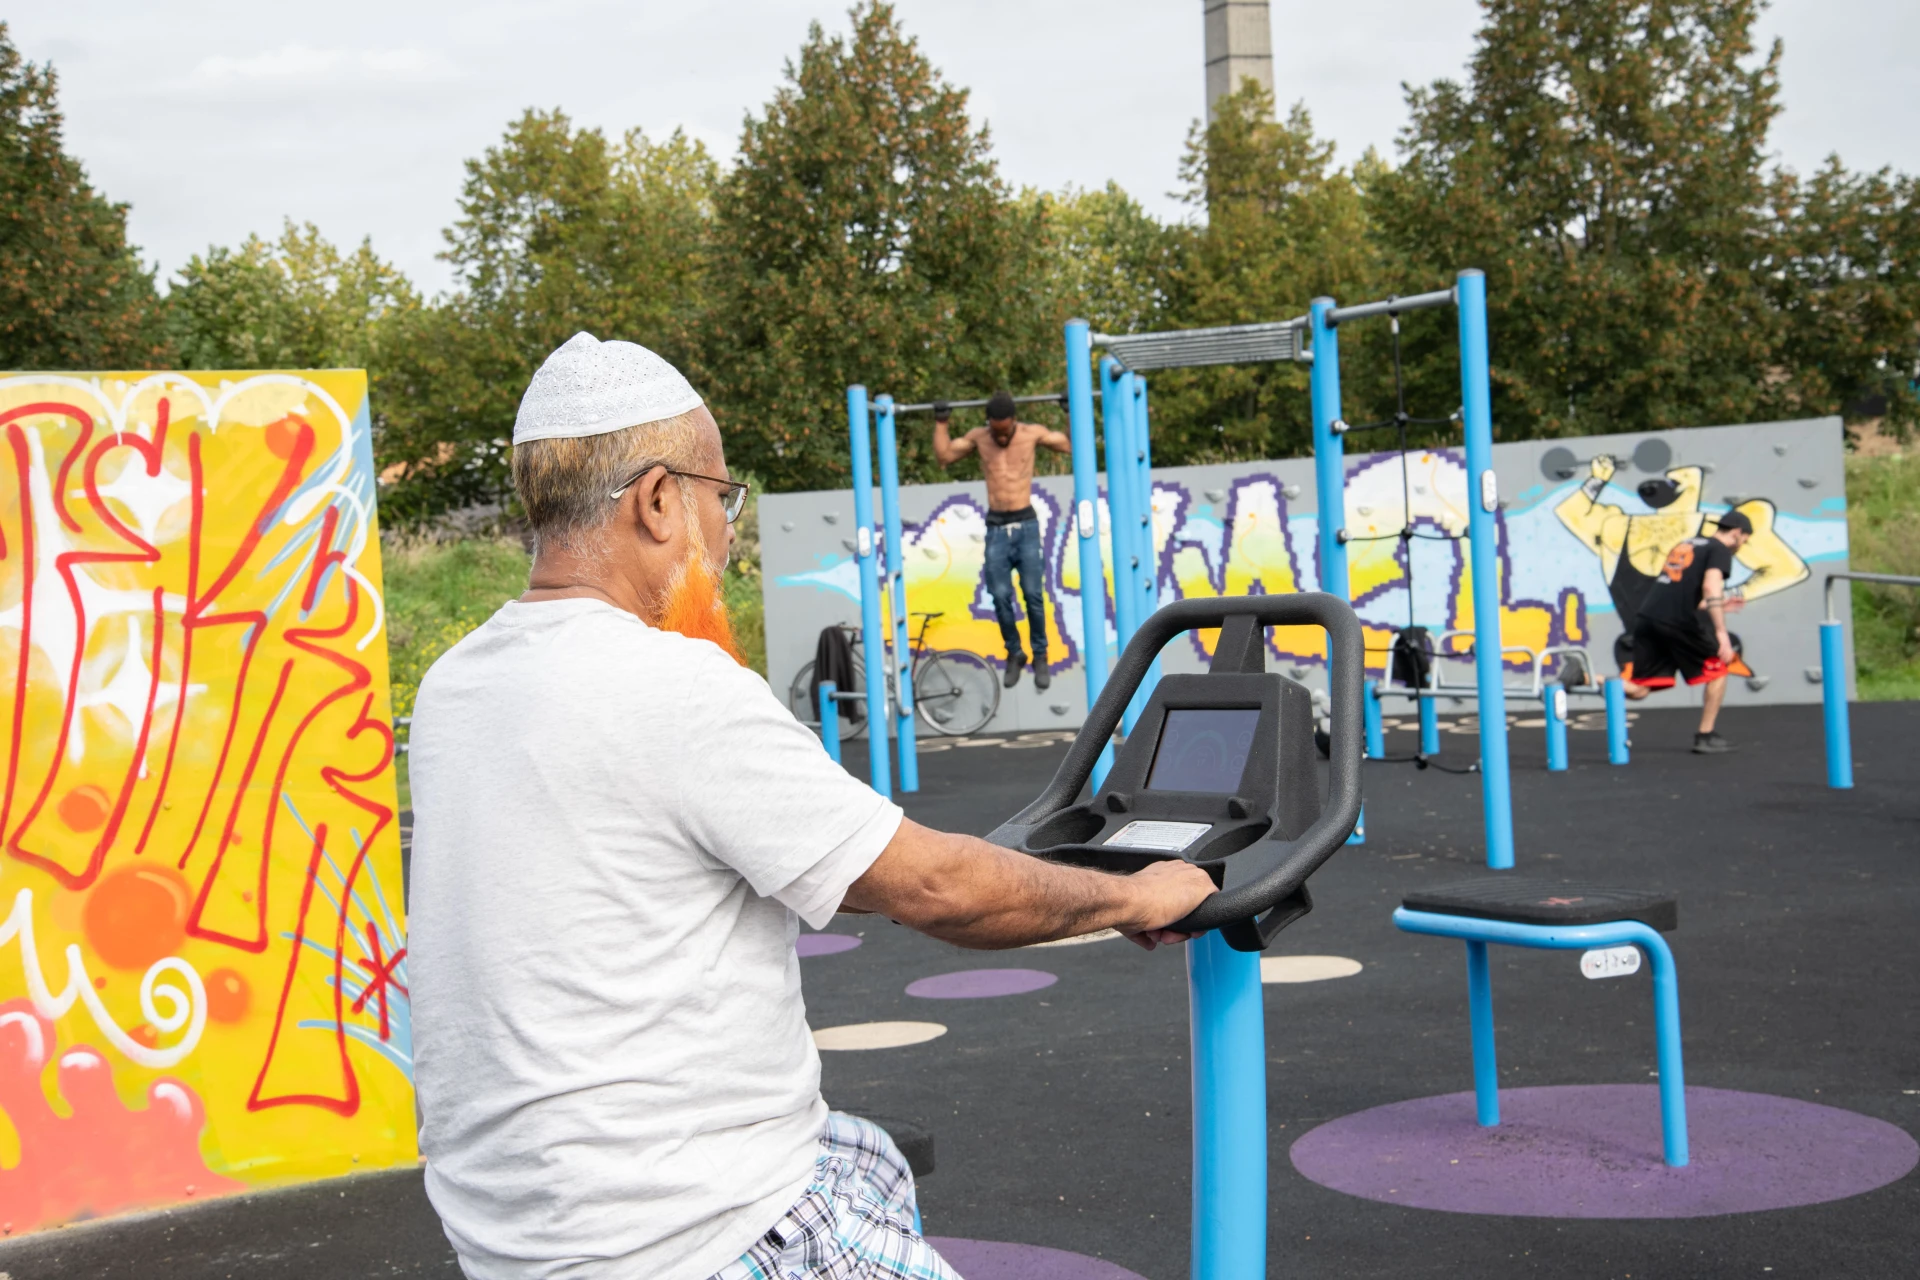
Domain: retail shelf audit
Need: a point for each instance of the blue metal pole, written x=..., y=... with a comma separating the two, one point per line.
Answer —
x=1673, y=1075
x=1116, y=412
x=1329, y=471
x=1376, y=731
x=1085, y=522
x=1833, y=692
x=897, y=594
x=1229, y=1112
x=1555, y=697
x=1147, y=576
x=830, y=720
x=1329, y=451
x=1486, y=1070
x=1483, y=505
x=1429, y=727
x=871, y=634
x=1616, y=695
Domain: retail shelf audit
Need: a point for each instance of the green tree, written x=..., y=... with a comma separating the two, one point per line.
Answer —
x=1844, y=278
x=1106, y=259
x=1283, y=225
x=1604, y=165
x=865, y=237
x=560, y=230
x=294, y=303
x=73, y=292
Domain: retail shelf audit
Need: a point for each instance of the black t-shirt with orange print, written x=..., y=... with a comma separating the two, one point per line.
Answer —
x=1674, y=598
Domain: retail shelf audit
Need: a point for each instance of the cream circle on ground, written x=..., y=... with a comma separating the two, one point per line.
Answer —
x=877, y=1035
x=1306, y=968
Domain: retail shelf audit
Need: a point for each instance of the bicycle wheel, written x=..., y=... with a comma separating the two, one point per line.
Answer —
x=955, y=692
x=853, y=714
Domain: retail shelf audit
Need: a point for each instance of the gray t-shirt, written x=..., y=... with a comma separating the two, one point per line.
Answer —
x=616, y=831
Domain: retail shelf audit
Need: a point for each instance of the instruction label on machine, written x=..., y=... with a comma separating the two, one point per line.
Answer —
x=1610, y=962
x=1161, y=837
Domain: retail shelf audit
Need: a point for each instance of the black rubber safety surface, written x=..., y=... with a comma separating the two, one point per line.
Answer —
x=1062, y=1115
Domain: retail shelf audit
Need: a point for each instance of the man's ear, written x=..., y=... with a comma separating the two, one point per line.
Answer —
x=646, y=505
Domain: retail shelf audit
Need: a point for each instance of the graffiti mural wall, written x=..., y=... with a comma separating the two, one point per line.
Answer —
x=203, y=954
x=1584, y=525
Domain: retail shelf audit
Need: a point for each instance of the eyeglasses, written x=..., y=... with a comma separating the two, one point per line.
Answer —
x=733, y=498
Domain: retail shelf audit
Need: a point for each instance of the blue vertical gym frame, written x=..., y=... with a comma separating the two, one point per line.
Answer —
x=1483, y=505
x=1085, y=520
x=1146, y=577
x=1229, y=1036
x=1116, y=427
x=864, y=551
x=1330, y=470
x=896, y=579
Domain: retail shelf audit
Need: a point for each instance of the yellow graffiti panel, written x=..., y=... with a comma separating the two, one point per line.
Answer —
x=203, y=958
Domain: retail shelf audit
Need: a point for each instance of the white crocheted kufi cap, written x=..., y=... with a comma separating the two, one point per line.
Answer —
x=588, y=387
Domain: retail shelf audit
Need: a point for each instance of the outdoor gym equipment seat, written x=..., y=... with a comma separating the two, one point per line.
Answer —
x=1520, y=912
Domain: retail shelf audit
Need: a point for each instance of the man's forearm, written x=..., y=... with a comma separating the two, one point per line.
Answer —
x=975, y=894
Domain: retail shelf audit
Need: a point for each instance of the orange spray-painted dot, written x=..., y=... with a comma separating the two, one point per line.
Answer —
x=228, y=995
x=137, y=915
x=283, y=437
x=85, y=807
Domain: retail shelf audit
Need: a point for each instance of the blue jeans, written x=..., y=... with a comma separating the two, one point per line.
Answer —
x=1013, y=547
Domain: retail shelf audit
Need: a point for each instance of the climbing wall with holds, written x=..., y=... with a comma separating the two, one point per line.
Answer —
x=202, y=940
x=1583, y=525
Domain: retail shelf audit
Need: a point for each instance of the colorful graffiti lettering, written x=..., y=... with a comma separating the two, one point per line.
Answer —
x=1408, y=563
x=197, y=812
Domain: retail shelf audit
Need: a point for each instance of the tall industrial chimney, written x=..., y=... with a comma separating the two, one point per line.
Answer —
x=1239, y=46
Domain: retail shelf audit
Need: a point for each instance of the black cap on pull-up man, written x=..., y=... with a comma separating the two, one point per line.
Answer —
x=1006, y=446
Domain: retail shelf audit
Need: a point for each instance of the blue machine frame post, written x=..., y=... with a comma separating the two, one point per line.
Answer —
x=1376, y=728
x=1554, y=697
x=1477, y=933
x=1483, y=506
x=1617, y=745
x=1085, y=521
x=830, y=719
x=1116, y=429
x=1229, y=1111
x=1833, y=693
x=864, y=551
x=1330, y=470
x=1429, y=725
x=896, y=578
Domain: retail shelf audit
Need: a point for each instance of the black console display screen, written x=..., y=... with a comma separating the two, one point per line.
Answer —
x=1203, y=749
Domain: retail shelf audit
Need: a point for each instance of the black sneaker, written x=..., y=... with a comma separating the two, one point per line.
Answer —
x=1041, y=677
x=1710, y=744
x=1015, y=663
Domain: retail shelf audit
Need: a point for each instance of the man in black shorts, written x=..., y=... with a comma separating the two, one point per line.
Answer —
x=1682, y=628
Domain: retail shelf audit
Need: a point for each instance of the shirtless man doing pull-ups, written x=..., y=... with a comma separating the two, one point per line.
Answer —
x=1006, y=446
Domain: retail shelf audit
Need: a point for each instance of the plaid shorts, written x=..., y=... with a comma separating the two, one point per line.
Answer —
x=853, y=1222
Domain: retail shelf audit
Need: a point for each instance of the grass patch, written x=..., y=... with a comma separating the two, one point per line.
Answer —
x=1883, y=532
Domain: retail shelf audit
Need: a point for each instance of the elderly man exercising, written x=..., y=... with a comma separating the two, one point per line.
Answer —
x=617, y=829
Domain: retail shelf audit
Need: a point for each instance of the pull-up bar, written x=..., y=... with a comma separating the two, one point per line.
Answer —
x=1393, y=306
x=1054, y=397
x=1227, y=344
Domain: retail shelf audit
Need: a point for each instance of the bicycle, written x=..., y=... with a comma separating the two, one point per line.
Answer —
x=954, y=692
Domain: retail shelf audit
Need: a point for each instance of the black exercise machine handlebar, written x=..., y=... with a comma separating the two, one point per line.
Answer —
x=1262, y=864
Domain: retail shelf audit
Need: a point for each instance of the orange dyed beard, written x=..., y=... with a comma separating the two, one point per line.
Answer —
x=695, y=607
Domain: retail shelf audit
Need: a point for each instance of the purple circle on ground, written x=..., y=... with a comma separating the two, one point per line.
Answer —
x=1593, y=1151
x=976, y=984
x=824, y=944
x=997, y=1260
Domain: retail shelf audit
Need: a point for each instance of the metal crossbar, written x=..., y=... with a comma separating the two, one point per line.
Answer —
x=1228, y=344
x=1053, y=397
x=1884, y=579
x=1392, y=306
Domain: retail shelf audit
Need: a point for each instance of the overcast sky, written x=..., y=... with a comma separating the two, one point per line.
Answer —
x=215, y=118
